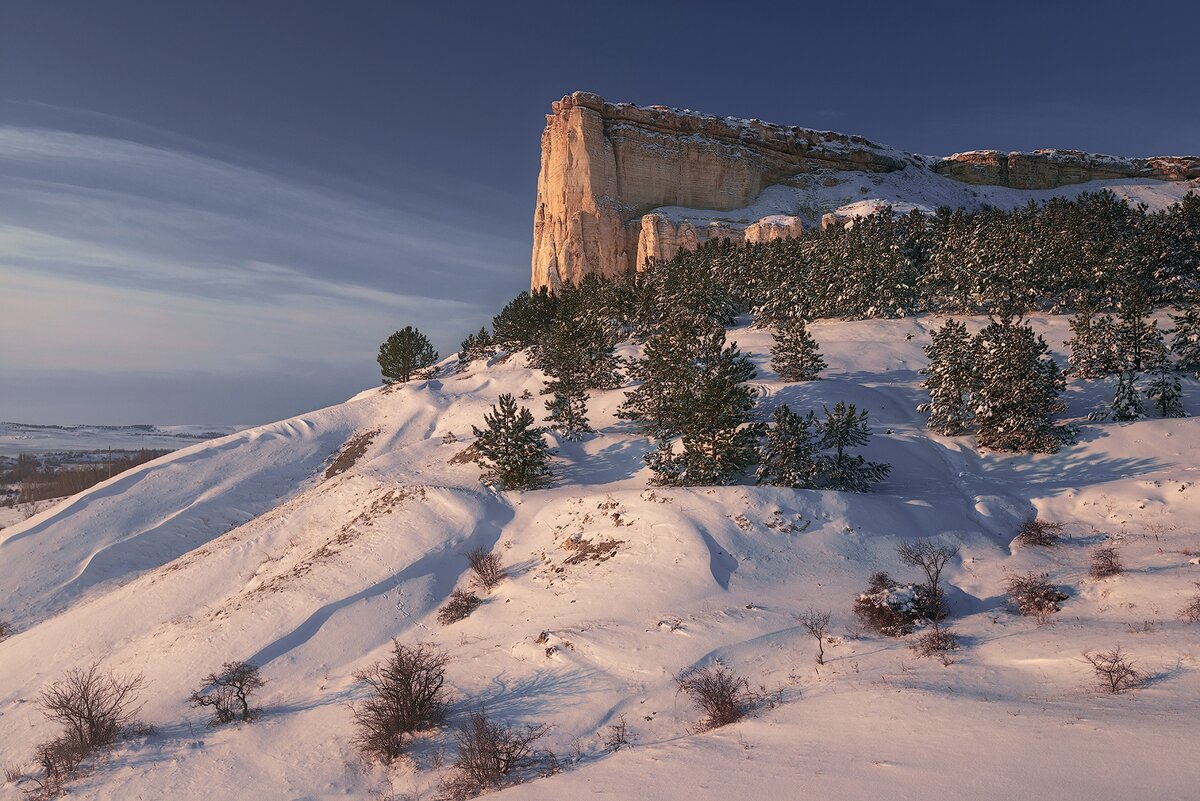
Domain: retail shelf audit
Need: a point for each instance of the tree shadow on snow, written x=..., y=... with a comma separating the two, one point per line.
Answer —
x=615, y=462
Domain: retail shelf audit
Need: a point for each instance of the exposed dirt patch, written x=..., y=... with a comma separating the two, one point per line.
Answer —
x=351, y=452
x=596, y=551
x=467, y=454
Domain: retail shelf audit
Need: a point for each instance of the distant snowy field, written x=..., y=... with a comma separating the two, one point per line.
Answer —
x=18, y=438
x=240, y=548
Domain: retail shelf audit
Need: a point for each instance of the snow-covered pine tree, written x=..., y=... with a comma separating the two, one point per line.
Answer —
x=1138, y=339
x=475, y=346
x=845, y=427
x=1017, y=394
x=795, y=355
x=1091, y=344
x=1185, y=342
x=950, y=378
x=1127, y=403
x=1166, y=391
x=713, y=418
x=566, y=411
x=789, y=453
x=512, y=452
x=666, y=373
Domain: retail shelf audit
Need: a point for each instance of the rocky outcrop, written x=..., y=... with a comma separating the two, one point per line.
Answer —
x=1050, y=169
x=605, y=165
x=611, y=172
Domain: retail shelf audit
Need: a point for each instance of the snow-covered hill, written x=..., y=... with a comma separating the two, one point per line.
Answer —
x=251, y=547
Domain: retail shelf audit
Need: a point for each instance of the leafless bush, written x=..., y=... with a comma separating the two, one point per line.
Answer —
x=92, y=704
x=6, y=630
x=1191, y=610
x=491, y=755
x=228, y=693
x=816, y=623
x=1032, y=594
x=932, y=560
x=1106, y=561
x=487, y=568
x=618, y=736
x=59, y=760
x=723, y=696
x=407, y=695
x=936, y=641
x=460, y=605
x=1041, y=533
x=1115, y=672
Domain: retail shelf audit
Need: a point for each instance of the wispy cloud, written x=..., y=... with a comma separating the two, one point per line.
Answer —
x=124, y=256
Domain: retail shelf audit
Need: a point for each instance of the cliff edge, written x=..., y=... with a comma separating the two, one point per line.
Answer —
x=612, y=172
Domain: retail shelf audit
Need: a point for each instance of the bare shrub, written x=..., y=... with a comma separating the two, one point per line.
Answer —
x=491, y=755
x=1041, y=533
x=932, y=560
x=1114, y=671
x=1032, y=594
x=92, y=704
x=407, y=695
x=816, y=623
x=936, y=641
x=486, y=567
x=723, y=696
x=1191, y=610
x=618, y=735
x=59, y=760
x=460, y=606
x=228, y=693
x=1106, y=561
x=895, y=609
x=6, y=630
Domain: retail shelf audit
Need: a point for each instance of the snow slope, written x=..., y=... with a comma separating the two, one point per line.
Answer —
x=245, y=548
x=855, y=194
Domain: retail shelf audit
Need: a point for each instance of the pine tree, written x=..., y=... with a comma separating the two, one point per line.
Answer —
x=567, y=408
x=1017, y=395
x=950, y=378
x=845, y=427
x=712, y=418
x=1093, y=346
x=795, y=355
x=1185, y=344
x=476, y=346
x=1166, y=392
x=511, y=449
x=667, y=373
x=1138, y=340
x=1127, y=403
x=789, y=455
x=403, y=354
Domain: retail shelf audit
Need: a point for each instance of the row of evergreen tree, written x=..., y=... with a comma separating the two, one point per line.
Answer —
x=799, y=451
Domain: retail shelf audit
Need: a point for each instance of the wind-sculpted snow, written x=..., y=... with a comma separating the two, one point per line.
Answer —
x=242, y=548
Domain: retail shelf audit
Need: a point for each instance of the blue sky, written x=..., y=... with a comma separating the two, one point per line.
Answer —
x=214, y=212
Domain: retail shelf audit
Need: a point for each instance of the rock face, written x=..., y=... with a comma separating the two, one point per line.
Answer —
x=609, y=170
x=604, y=165
x=1050, y=169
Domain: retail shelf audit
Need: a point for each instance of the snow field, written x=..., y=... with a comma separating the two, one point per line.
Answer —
x=241, y=548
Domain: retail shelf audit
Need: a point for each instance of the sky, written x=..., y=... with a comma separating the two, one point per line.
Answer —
x=215, y=212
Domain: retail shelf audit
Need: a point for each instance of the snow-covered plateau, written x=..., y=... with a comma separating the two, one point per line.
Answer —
x=249, y=547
